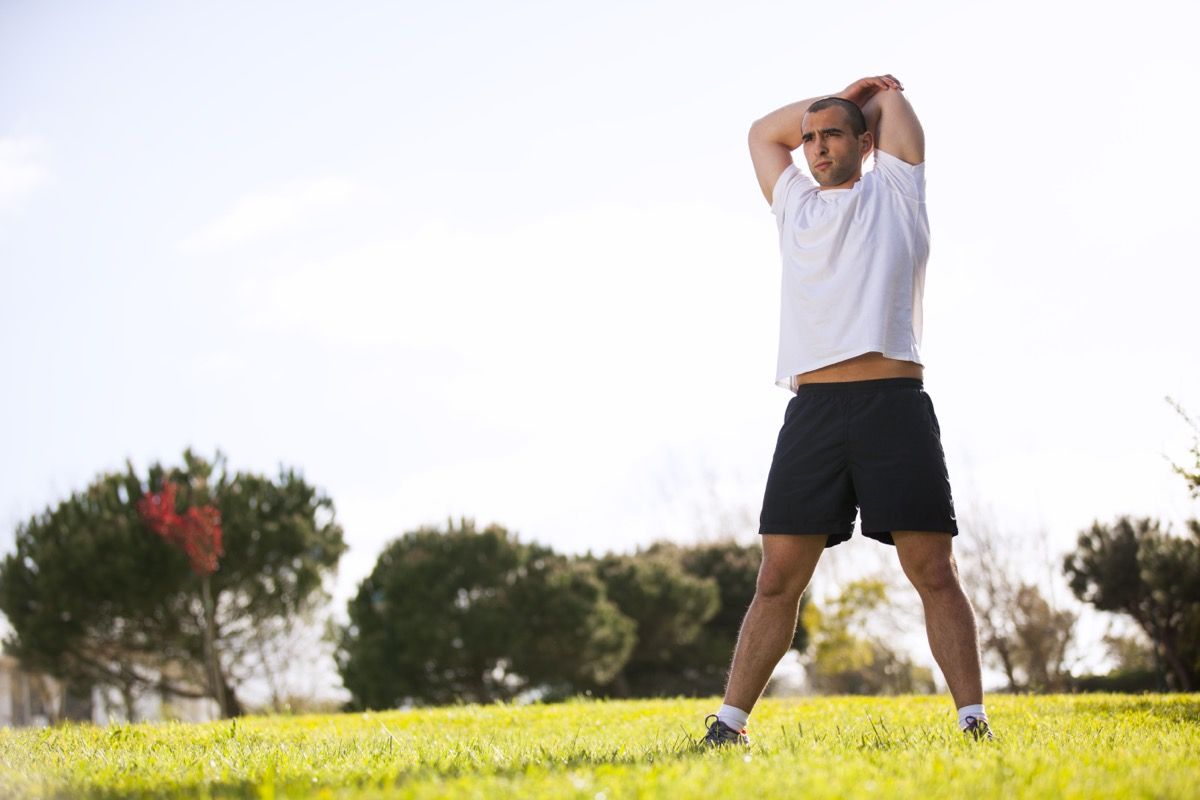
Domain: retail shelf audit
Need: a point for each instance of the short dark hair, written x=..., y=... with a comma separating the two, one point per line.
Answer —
x=858, y=123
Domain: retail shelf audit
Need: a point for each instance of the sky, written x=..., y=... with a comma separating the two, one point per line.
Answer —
x=510, y=261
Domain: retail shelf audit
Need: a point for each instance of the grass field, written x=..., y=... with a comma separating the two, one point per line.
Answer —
x=1082, y=746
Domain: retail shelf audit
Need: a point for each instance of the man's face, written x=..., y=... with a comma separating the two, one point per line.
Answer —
x=833, y=152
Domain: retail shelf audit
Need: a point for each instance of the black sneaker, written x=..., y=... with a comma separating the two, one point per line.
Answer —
x=978, y=729
x=720, y=734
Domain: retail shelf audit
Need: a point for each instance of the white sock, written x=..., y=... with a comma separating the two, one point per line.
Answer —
x=971, y=711
x=733, y=717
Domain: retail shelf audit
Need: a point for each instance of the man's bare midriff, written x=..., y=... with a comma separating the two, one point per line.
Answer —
x=867, y=367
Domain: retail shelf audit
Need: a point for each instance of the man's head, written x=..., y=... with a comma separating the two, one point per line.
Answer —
x=835, y=139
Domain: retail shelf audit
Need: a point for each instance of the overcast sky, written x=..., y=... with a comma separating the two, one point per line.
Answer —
x=510, y=261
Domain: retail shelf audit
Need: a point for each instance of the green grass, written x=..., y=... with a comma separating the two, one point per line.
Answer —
x=1084, y=746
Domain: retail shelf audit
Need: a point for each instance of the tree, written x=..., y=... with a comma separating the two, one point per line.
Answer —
x=669, y=608
x=197, y=532
x=573, y=636
x=701, y=665
x=1190, y=475
x=1131, y=652
x=1134, y=567
x=1019, y=630
x=467, y=615
x=94, y=596
x=846, y=659
x=1042, y=636
x=992, y=584
x=1134, y=666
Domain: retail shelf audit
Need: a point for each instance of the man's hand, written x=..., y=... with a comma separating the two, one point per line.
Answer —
x=864, y=89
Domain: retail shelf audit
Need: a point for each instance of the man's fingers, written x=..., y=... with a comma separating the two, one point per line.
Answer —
x=863, y=88
x=887, y=81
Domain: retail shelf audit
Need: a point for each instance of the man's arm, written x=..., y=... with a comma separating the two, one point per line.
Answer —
x=897, y=130
x=773, y=138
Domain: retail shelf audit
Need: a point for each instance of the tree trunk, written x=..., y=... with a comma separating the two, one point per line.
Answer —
x=1171, y=654
x=268, y=671
x=128, y=700
x=999, y=645
x=1164, y=644
x=216, y=681
x=233, y=706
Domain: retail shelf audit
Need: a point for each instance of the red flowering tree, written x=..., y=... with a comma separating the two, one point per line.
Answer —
x=197, y=532
x=104, y=588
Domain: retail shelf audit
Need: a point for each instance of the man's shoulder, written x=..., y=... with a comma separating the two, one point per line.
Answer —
x=892, y=161
x=790, y=188
x=898, y=175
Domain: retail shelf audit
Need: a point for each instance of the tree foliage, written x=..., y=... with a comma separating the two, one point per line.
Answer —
x=467, y=615
x=95, y=597
x=688, y=602
x=1190, y=475
x=1020, y=631
x=703, y=664
x=847, y=659
x=1134, y=567
x=462, y=614
x=669, y=608
x=1134, y=670
x=1042, y=635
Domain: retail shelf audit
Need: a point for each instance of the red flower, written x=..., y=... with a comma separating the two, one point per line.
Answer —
x=197, y=532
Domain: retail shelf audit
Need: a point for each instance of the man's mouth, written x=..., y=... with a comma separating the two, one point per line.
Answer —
x=822, y=164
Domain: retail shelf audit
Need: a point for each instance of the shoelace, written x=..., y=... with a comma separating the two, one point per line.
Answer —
x=722, y=731
x=978, y=728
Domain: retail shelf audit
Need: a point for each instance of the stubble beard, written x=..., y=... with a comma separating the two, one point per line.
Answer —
x=838, y=174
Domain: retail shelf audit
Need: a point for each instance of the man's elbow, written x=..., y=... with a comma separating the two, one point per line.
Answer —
x=891, y=96
x=755, y=132
x=759, y=131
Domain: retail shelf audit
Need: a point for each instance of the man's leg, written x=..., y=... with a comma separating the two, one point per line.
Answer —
x=770, y=623
x=928, y=561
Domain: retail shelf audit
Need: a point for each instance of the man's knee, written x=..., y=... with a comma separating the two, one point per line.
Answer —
x=787, y=565
x=778, y=585
x=934, y=575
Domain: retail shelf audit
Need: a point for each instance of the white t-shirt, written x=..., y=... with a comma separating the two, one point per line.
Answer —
x=853, y=267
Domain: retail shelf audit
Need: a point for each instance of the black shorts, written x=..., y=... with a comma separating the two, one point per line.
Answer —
x=870, y=444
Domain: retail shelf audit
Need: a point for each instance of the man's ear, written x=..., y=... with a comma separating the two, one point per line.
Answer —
x=866, y=143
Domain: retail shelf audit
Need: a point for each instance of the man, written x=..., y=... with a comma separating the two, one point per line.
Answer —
x=860, y=431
